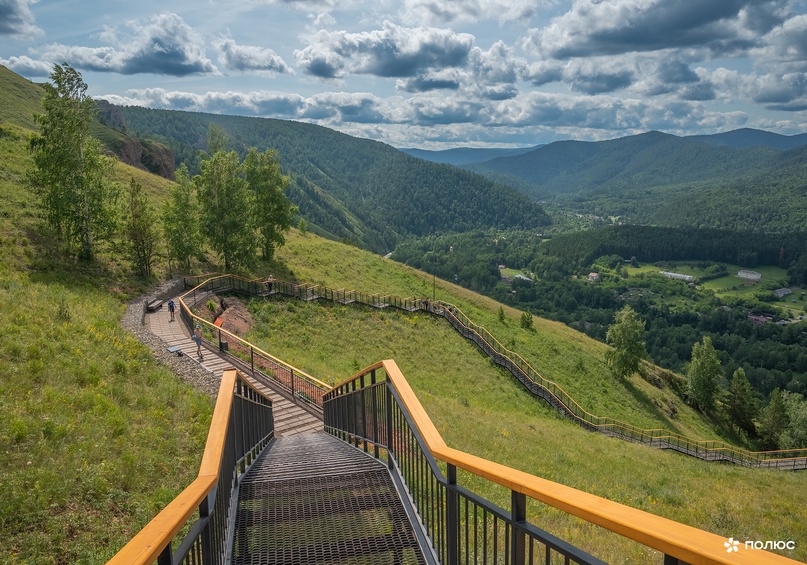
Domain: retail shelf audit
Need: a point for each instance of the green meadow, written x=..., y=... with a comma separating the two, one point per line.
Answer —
x=481, y=409
x=97, y=437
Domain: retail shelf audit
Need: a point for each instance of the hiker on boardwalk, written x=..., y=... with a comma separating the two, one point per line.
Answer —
x=197, y=337
x=171, y=310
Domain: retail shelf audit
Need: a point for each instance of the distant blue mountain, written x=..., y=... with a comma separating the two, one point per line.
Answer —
x=742, y=180
x=747, y=137
x=466, y=155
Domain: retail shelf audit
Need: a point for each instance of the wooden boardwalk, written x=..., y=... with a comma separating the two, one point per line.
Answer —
x=290, y=418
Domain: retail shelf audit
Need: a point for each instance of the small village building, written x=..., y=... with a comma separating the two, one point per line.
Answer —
x=594, y=276
x=749, y=275
x=782, y=292
x=679, y=276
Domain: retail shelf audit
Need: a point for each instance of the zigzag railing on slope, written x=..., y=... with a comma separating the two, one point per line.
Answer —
x=551, y=392
x=262, y=366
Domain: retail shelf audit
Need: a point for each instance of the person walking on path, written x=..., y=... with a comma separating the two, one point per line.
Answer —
x=171, y=310
x=197, y=337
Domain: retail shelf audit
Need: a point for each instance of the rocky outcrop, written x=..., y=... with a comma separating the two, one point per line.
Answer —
x=145, y=154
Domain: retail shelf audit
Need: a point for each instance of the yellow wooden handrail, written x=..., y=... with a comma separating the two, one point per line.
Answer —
x=146, y=545
x=686, y=543
x=486, y=336
x=299, y=372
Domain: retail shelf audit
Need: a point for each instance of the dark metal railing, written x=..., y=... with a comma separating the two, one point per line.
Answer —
x=311, y=390
x=462, y=527
x=262, y=366
x=242, y=426
x=377, y=411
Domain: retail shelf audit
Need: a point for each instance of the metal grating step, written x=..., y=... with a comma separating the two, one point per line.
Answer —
x=316, y=500
x=311, y=455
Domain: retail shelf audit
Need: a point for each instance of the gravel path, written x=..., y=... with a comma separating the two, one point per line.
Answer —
x=188, y=370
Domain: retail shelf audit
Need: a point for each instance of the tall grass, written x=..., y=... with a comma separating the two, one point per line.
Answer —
x=482, y=410
x=95, y=437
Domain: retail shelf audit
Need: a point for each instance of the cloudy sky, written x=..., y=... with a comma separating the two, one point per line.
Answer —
x=436, y=73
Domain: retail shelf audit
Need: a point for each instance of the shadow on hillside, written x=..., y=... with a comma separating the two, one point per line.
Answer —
x=650, y=406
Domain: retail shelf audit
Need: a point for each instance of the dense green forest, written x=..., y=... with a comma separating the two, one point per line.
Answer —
x=357, y=190
x=662, y=179
x=676, y=315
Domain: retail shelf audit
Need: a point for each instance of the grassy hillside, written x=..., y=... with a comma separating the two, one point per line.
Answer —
x=480, y=409
x=21, y=99
x=96, y=436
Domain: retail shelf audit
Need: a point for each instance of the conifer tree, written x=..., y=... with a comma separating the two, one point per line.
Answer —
x=703, y=374
x=774, y=421
x=741, y=406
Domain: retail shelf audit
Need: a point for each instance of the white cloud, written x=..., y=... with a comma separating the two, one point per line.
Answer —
x=28, y=67
x=247, y=58
x=16, y=19
x=165, y=45
x=392, y=51
x=786, y=45
x=595, y=27
x=425, y=12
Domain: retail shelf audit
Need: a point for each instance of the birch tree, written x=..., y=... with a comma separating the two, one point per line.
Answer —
x=70, y=173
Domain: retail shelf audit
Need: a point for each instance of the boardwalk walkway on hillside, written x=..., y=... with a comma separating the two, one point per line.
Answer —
x=314, y=499
x=290, y=418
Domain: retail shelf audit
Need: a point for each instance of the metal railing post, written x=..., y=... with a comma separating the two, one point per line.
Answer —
x=375, y=413
x=362, y=396
x=452, y=516
x=206, y=535
x=518, y=516
x=166, y=557
x=390, y=464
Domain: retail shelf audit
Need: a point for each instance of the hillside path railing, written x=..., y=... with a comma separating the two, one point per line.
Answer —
x=532, y=380
x=241, y=428
x=377, y=411
x=266, y=368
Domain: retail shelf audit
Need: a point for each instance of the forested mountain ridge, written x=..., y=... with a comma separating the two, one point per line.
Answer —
x=465, y=155
x=748, y=137
x=743, y=180
x=355, y=189
x=649, y=159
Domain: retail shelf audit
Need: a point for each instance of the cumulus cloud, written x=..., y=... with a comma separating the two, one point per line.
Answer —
x=786, y=45
x=16, y=18
x=787, y=92
x=425, y=12
x=165, y=45
x=27, y=67
x=437, y=111
x=392, y=51
x=339, y=107
x=626, y=26
x=247, y=58
x=451, y=80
